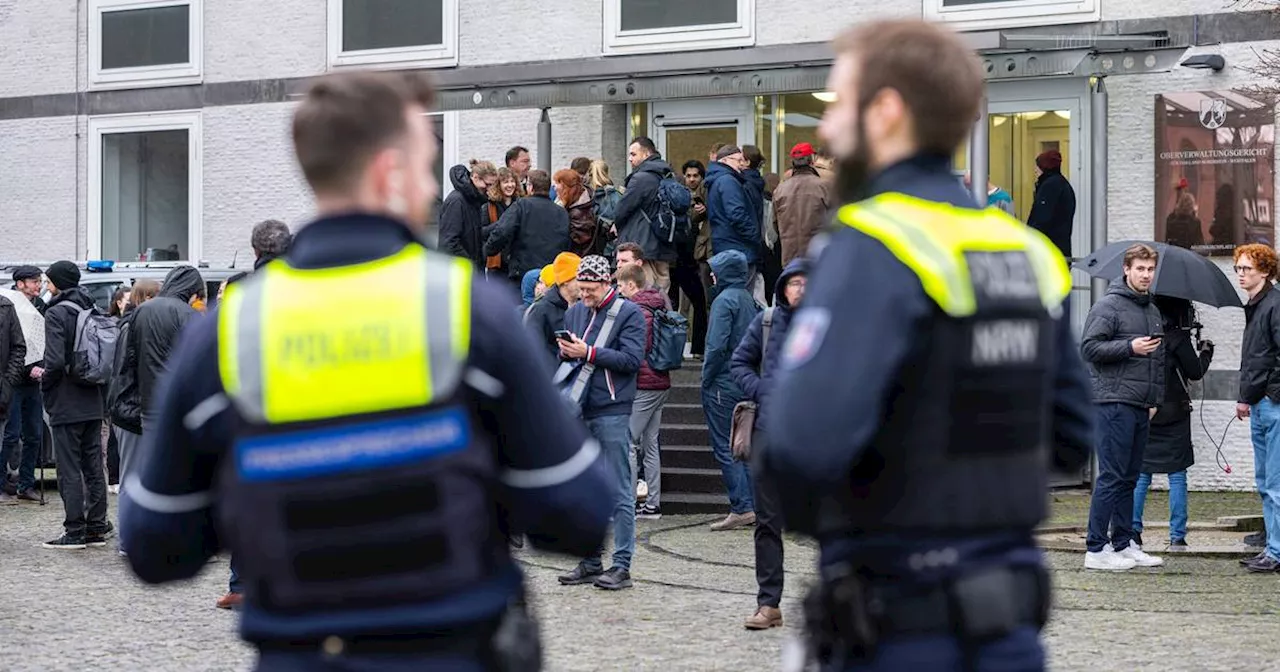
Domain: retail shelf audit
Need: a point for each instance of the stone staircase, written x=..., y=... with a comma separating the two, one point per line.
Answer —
x=691, y=481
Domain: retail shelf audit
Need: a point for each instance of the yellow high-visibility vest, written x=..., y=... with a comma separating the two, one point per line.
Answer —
x=300, y=345
x=932, y=239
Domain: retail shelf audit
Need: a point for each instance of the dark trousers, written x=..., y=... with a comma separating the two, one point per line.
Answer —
x=113, y=458
x=768, y=532
x=82, y=483
x=686, y=278
x=771, y=268
x=1121, y=438
x=24, y=434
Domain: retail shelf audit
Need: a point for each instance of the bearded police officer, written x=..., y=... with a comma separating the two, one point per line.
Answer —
x=929, y=382
x=364, y=453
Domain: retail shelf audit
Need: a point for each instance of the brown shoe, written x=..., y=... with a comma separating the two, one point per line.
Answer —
x=230, y=601
x=734, y=521
x=765, y=618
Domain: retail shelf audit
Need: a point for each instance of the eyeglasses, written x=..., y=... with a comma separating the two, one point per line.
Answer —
x=1242, y=269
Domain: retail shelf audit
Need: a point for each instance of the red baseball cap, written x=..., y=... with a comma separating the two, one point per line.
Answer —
x=801, y=150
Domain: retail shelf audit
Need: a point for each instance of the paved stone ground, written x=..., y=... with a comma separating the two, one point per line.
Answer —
x=76, y=610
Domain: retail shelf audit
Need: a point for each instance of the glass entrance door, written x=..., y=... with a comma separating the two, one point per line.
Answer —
x=682, y=143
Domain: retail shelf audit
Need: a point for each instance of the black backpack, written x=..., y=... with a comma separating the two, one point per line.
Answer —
x=674, y=200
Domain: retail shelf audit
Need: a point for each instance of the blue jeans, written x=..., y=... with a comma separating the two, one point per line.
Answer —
x=1121, y=437
x=1177, y=504
x=1264, y=423
x=26, y=421
x=737, y=476
x=1020, y=651
x=233, y=585
x=613, y=432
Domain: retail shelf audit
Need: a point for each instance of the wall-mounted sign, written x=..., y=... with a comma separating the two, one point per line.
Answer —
x=1215, y=170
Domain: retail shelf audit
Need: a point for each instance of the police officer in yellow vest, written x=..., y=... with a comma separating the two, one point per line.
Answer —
x=928, y=383
x=362, y=422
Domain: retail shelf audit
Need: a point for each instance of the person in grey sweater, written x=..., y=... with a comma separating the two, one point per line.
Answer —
x=1122, y=346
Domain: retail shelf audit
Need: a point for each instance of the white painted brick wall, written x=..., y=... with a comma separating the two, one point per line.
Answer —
x=522, y=31
x=488, y=134
x=783, y=22
x=253, y=39
x=1130, y=212
x=38, y=189
x=249, y=175
x=38, y=43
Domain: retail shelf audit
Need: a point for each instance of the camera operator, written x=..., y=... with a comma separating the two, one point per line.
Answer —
x=1169, y=448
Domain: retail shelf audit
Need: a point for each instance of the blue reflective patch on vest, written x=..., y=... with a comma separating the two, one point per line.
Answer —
x=356, y=447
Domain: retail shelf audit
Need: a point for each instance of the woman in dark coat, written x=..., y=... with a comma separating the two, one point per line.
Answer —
x=1169, y=449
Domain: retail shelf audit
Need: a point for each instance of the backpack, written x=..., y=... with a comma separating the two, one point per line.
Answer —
x=670, y=333
x=674, y=201
x=93, y=352
x=607, y=199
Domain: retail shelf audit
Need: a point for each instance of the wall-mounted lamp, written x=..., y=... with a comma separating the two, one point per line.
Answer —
x=825, y=96
x=1213, y=62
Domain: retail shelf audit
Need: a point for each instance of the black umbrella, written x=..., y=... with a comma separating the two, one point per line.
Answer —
x=1179, y=272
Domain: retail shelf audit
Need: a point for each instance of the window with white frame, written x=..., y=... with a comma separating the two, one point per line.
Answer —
x=640, y=26
x=400, y=33
x=135, y=43
x=144, y=187
x=992, y=14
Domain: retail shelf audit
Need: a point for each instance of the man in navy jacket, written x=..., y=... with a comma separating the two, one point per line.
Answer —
x=606, y=403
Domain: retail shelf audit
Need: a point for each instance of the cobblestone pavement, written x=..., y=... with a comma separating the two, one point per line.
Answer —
x=76, y=610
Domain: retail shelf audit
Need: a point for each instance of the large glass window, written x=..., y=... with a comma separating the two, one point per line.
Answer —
x=640, y=26
x=989, y=14
x=406, y=33
x=145, y=188
x=1016, y=139
x=147, y=43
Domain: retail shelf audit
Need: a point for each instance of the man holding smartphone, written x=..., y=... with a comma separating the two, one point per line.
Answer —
x=1121, y=344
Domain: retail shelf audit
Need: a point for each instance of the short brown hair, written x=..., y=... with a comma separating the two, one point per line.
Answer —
x=938, y=77
x=539, y=182
x=1141, y=251
x=1263, y=257
x=634, y=248
x=633, y=273
x=348, y=117
x=142, y=291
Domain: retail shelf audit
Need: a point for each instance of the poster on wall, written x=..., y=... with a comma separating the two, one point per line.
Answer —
x=1215, y=170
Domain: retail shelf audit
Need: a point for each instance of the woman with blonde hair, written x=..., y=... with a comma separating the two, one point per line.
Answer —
x=605, y=195
x=502, y=194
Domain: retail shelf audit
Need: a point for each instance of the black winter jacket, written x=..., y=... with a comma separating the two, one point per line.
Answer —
x=13, y=354
x=156, y=326
x=1118, y=375
x=545, y=317
x=462, y=219
x=1169, y=447
x=1054, y=210
x=65, y=400
x=638, y=209
x=1260, y=349
x=534, y=230
x=124, y=401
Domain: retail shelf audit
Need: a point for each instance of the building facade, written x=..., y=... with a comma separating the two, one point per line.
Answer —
x=160, y=127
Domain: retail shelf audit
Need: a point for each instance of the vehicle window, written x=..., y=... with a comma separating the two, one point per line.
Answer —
x=101, y=293
x=211, y=294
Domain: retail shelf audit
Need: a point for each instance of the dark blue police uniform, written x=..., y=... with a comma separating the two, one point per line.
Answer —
x=923, y=496
x=336, y=523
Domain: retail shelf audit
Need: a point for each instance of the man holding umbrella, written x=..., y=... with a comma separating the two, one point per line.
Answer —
x=1121, y=344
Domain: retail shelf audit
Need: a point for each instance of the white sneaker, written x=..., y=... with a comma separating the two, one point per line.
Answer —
x=1134, y=553
x=1108, y=560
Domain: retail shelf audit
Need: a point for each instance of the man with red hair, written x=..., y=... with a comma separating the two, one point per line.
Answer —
x=1259, y=400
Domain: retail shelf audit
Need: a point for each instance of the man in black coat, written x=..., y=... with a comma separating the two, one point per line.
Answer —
x=532, y=231
x=24, y=431
x=13, y=355
x=1054, y=211
x=461, y=218
x=155, y=329
x=638, y=209
x=75, y=417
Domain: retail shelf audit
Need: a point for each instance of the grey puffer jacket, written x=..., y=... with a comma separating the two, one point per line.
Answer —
x=1119, y=375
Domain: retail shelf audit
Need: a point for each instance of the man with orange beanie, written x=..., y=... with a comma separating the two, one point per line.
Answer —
x=546, y=316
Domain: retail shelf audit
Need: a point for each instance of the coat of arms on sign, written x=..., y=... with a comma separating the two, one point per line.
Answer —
x=1213, y=113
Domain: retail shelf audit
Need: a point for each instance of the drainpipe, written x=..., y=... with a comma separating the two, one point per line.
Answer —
x=1098, y=195
x=979, y=156
x=544, y=141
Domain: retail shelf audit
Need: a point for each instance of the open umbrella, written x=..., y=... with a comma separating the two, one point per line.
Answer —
x=1179, y=272
x=32, y=323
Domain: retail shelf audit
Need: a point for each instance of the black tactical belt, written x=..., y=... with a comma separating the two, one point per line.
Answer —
x=465, y=642
x=986, y=604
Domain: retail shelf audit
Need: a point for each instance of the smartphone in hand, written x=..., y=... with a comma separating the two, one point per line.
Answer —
x=564, y=335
